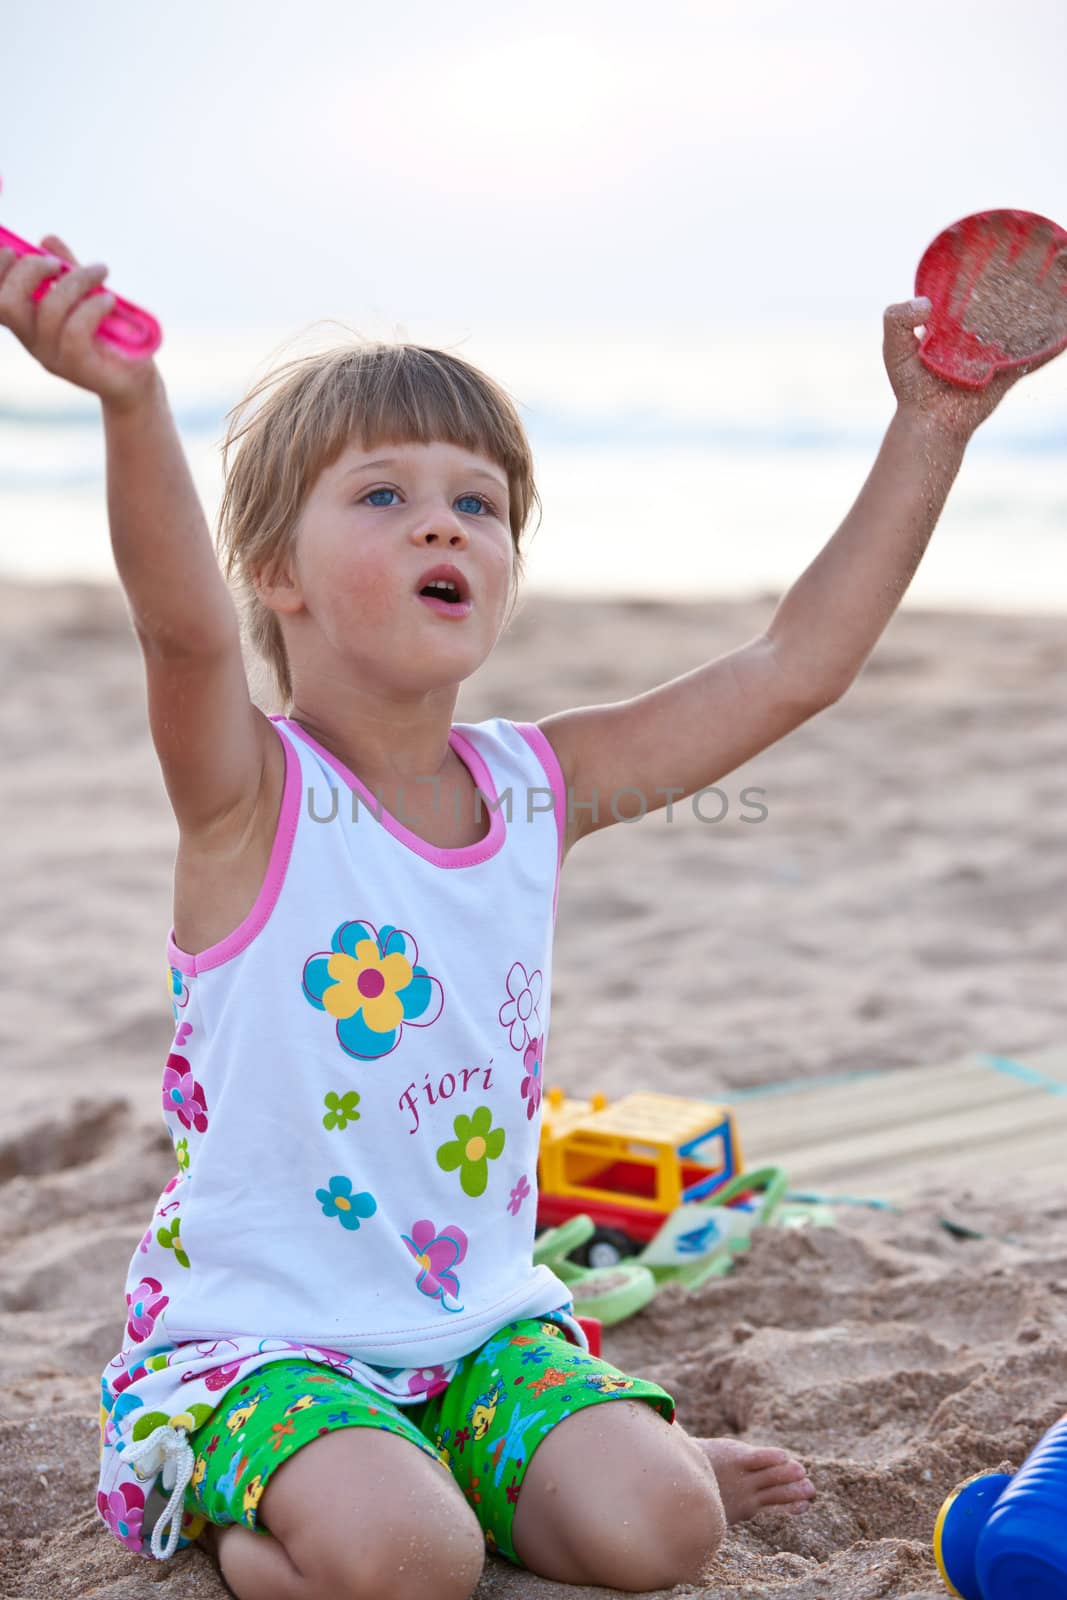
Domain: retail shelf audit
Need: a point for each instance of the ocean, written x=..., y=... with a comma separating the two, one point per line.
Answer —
x=674, y=462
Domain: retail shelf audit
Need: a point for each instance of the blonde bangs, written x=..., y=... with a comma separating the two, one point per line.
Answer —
x=306, y=413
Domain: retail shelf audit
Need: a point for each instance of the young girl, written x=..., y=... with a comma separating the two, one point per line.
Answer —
x=338, y=1280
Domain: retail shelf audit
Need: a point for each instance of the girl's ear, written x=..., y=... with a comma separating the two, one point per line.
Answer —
x=277, y=590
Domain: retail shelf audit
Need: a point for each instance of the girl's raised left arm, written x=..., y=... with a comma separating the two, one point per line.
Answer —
x=623, y=759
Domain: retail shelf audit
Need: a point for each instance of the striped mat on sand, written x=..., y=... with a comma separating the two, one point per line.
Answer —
x=976, y=1123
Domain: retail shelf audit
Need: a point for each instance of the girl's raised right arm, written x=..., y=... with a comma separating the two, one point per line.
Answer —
x=211, y=740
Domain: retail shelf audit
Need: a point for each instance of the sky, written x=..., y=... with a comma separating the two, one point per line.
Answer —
x=540, y=167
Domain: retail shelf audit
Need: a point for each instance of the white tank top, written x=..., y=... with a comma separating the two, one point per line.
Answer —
x=353, y=1093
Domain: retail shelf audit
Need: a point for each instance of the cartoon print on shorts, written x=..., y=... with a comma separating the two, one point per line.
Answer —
x=437, y=1253
x=551, y=1378
x=606, y=1382
x=238, y=1415
x=530, y=1088
x=519, y=1014
x=370, y=983
x=183, y=1095
x=476, y=1143
x=233, y=1474
x=340, y=1109
x=339, y=1201
x=483, y=1412
x=253, y=1491
x=512, y=1446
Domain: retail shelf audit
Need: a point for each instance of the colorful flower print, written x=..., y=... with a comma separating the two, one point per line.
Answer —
x=371, y=984
x=123, y=1511
x=181, y=1150
x=531, y=1084
x=341, y=1109
x=183, y=1095
x=524, y=991
x=178, y=990
x=476, y=1143
x=170, y=1239
x=182, y=1033
x=220, y=1377
x=339, y=1201
x=428, y=1380
x=126, y=1405
x=144, y=1306
x=437, y=1253
x=521, y=1192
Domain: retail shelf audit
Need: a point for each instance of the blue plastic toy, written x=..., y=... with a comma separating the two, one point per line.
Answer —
x=1005, y=1538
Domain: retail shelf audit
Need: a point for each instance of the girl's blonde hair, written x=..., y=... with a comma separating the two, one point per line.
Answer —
x=377, y=393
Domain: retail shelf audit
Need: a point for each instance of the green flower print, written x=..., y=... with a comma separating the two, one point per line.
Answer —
x=476, y=1143
x=181, y=1150
x=341, y=1109
x=170, y=1240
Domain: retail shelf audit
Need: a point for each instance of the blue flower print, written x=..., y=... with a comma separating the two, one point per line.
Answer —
x=339, y=1201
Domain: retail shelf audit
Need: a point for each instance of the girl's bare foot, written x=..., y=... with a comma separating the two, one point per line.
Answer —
x=752, y=1479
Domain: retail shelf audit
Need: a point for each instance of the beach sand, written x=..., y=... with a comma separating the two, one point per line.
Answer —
x=900, y=905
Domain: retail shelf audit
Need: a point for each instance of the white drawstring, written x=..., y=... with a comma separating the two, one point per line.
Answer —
x=168, y=1447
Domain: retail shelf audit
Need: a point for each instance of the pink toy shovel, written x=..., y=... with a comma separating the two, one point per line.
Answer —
x=998, y=284
x=130, y=330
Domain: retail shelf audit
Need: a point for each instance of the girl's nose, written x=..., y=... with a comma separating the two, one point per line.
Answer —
x=441, y=527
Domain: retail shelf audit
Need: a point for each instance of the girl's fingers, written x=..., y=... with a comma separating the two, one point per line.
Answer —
x=86, y=318
x=17, y=287
x=60, y=300
x=56, y=247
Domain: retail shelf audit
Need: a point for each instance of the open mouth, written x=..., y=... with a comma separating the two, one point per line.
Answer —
x=442, y=589
x=446, y=590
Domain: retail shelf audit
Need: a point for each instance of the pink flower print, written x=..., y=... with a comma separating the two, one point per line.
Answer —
x=183, y=1095
x=184, y=1030
x=144, y=1306
x=428, y=1381
x=437, y=1253
x=131, y=1375
x=521, y=1192
x=219, y=1377
x=531, y=1084
x=524, y=992
x=123, y=1511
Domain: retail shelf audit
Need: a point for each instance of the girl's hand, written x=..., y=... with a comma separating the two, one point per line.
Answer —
x=947, y=407
x=59, y=330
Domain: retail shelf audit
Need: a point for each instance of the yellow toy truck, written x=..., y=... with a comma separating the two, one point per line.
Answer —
x=630, y=1165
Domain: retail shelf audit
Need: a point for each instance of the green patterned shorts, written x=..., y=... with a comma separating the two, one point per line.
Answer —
x=484, y=1427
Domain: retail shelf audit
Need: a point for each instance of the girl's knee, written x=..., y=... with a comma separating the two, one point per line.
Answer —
x=365, y=1515
x=650, y=1516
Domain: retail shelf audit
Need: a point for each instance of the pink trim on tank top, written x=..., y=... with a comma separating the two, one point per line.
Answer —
x=468, y=855
x=548, y=758
x=281, y=850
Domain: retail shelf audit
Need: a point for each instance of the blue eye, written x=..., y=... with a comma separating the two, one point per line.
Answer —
x=481, y=500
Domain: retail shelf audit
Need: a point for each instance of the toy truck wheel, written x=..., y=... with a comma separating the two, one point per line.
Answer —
x=606, y=1248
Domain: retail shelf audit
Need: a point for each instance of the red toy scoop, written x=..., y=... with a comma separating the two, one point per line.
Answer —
x=998, y=285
